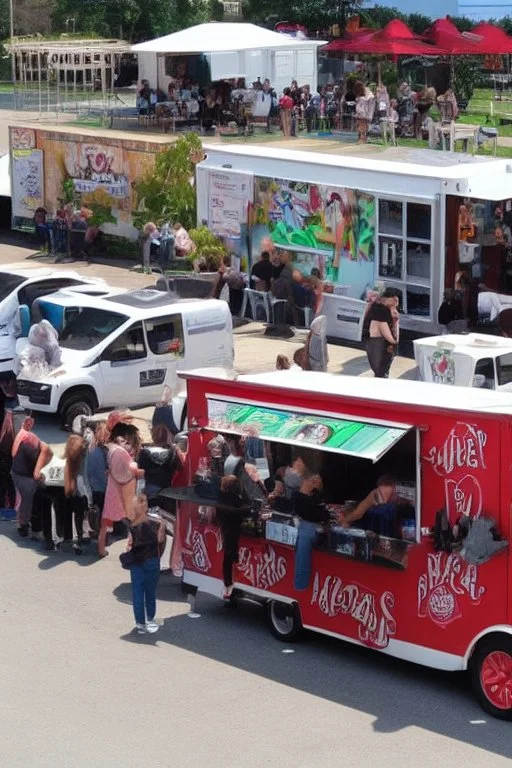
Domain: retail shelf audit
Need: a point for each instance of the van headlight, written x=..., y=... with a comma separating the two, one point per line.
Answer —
x=37, y=392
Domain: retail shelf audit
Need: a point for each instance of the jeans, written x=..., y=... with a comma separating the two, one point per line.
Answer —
x=166, y=253
x=144, y=580
x=306, y=537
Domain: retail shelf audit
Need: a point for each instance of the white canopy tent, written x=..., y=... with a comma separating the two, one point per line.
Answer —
x=233, y=47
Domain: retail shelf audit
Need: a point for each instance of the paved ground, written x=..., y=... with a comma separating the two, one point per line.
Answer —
x=253, y=350
x=80, y=690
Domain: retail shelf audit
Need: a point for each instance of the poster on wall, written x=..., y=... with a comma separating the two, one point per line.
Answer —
x=328, y=228
x=27, y=182
x=230, y=195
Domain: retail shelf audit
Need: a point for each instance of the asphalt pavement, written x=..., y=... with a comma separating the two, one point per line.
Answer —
x=79, y=689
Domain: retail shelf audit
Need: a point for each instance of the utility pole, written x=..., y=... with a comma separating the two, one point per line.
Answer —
x=11, y=34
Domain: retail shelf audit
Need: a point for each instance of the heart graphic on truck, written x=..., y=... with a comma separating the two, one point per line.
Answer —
x=463, y=497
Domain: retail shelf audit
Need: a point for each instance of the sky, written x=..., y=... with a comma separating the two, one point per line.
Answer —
x=474, y=9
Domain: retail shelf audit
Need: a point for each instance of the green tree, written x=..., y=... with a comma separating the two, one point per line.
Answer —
x=466, y=73
x=314, y=14
x=418, y=22
x=505, y=23
x=462, y=23
x=167, y=193
x=132, y=19
x=379, y=16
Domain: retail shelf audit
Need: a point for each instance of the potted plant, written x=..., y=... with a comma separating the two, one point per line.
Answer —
x=208, y=247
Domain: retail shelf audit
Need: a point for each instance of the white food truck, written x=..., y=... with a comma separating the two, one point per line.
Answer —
x=119, y=351
x=364, y=216
x=466, y=360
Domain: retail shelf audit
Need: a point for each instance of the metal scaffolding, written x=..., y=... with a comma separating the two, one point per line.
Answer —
x=67, y=74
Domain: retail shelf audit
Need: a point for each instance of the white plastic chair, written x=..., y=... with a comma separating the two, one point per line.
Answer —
x=256, y=300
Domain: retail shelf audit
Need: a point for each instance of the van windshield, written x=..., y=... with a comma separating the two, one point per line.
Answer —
x=90, y=327
x=9, y=283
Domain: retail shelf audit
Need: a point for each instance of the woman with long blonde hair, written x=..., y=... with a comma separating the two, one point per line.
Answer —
x=76, y=489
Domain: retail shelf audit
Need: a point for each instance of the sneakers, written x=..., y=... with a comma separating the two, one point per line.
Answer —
x=141, y=629
x=152, y=627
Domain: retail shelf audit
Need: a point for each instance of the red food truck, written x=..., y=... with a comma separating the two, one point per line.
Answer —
x=420, y=571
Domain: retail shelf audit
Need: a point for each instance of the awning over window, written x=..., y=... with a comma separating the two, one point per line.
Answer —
x=338, y=435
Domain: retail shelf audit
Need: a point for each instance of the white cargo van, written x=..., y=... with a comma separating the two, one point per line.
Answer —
x=118, y=351
x=22, y=286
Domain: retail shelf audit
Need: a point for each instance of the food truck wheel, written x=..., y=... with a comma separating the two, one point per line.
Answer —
x=284, y=620
x=491, y=675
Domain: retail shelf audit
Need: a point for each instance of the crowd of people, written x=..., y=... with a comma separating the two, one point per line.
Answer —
x=68, y=233
x=272, y=273
x=100, y=487
x=296, y=487
x=351, y=104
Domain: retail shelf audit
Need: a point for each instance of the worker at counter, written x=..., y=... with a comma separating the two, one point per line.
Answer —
x=382, y=511
x=310, y=508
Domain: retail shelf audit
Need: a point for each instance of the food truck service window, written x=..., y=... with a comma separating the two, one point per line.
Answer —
x=404, y=253
x=369, y=469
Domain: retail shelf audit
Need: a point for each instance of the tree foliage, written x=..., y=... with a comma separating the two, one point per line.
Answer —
x=132, y=19
x=314, y=14
x=167, y=193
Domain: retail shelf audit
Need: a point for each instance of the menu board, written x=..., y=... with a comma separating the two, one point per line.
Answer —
x=229, y=195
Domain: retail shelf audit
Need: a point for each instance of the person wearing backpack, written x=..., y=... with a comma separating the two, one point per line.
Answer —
x=146, y=539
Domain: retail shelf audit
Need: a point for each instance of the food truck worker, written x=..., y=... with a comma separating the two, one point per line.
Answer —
x=230, y=514
x=312, y=512
x=381, y=506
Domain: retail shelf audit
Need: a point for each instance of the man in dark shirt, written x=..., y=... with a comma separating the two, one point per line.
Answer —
x=262, y=272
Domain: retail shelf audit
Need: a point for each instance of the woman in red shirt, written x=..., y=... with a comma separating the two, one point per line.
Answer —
x=286, y=105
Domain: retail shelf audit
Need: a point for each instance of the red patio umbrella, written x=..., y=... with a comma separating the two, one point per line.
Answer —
x=396, y=39
x=494, y=40
x=444, y=34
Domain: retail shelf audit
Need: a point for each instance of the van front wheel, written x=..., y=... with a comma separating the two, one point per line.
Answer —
x=77, y=405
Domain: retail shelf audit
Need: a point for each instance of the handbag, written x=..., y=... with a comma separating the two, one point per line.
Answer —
x=127, y=559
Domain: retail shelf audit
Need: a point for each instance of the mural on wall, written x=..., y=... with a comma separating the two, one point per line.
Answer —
x=328, y=228
x=93, y=165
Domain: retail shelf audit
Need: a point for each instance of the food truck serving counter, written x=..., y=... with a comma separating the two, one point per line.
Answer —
x=374, y=511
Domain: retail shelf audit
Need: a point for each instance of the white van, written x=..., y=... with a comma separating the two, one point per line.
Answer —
x=22, y=286
x=465, y=360
x=118, y=351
